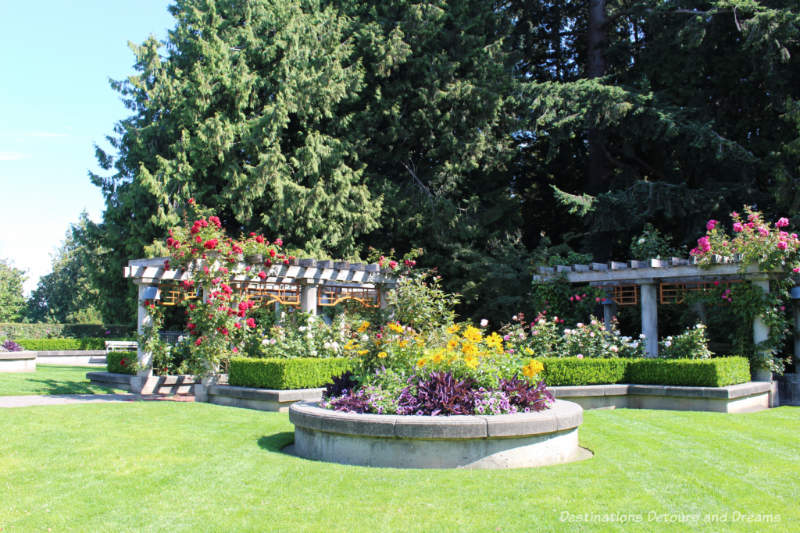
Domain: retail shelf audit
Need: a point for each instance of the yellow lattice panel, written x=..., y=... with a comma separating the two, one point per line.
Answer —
x=626, y=294
x=175, y=293
x=262, y=294
x=330, y=295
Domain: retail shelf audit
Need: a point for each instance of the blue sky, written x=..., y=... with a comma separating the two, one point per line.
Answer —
x=56, y=58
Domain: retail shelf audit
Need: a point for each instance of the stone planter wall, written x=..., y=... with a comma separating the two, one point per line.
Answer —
x=260, y=399
x=743, y=398
x=152, y=385
x=485, y=442
x=72, y=357
x=18, y=361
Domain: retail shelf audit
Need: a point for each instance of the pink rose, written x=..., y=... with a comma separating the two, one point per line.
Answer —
x=711, y=224
x=781, y=245
x=782, y=222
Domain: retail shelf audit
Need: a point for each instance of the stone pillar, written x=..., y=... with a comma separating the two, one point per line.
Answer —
x=796, y=312
x=143, y=321
x=609, y=310
x=761, y=332
x=383, y=291
x=308, y=298
x=649, y=306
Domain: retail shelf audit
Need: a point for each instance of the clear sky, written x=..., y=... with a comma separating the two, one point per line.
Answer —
x=56, y=58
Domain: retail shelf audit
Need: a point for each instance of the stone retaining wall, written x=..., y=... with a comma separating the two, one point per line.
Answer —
x=72, y=357
x=490, y=442
x=18, y=361
x=742, y=398
x=260, y=399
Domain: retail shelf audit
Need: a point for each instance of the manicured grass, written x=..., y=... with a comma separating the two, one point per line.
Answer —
x=165, y=466
x=52, y=379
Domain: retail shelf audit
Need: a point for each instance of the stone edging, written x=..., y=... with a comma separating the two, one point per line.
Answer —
x=561, y=416
x=730, y=392
x=57, y=353
x=259, y=399
x=741, y=398
x=17, y=356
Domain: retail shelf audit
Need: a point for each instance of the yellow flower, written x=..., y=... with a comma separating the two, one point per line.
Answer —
x=397, y=328
x=421, y=362
x=471, y=361
x=363, y=327
x=452, y=344
x=382, y=355
x=469, y=349
x=350, y=345
x=472, y=334
x=527, y=351
x=403, y=343
x=494, y=341
x=362, y=352
x=452, y=330
x=533, y=368
x=437, y=357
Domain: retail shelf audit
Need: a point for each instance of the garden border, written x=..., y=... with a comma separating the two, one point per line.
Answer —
x=22, y=361
x=461, y=441
x=742, y=398
x=260, y=399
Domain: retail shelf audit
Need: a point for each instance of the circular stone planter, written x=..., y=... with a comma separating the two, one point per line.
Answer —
x=491, y=441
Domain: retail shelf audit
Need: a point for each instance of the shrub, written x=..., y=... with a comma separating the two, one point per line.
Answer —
x=691, y=344
x=79, y=331
x=717, y=372
x=46, y=345
x=282, y=374
x=560, y=371
x=122, y=362
x=10, y=346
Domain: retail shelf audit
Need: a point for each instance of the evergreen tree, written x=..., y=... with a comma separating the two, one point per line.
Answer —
x=66, y=294
x=245, y=108
x=12, y=301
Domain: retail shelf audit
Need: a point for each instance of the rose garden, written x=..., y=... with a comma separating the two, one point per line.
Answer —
x=299, y=367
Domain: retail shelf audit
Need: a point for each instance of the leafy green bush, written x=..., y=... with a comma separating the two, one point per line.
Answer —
x=46, y=345
x=122, y=362
x=716, y=372
x=42, y=331
x=574, y=371
x=691, y=344
x=282, y=374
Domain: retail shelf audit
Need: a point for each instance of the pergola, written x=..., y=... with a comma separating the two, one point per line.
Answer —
x=307, y=284
x=648, y=283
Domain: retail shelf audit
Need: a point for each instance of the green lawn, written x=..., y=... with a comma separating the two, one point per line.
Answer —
x=52, y=379
x=163, y=466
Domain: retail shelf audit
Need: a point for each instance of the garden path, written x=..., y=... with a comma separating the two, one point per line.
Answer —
x=66, y=399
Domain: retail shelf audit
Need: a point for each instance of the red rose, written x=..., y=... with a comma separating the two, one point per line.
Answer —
x=210, y=244
x=251, y=323
x=262, y=275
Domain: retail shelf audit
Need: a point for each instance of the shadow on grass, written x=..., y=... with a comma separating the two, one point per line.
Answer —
x=276, y=442
x=52, y=386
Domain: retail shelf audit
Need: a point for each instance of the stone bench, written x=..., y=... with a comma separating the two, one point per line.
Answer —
x=24, y=361
x=72, y=357
x=742, y=398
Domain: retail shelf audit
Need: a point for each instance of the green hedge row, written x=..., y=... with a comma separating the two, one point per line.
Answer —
x=121, y=362
x=715, y=372
x=45, y=345
x=15, y=330
x=283, y=374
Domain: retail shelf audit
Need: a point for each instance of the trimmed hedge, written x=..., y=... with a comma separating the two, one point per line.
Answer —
x=573, y=371
x=114, y=362
x=286, y=373
x=715, y=372
x=47, y=345
x=14, y=330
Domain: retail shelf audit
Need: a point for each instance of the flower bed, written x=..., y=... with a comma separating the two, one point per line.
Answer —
x=491, y=442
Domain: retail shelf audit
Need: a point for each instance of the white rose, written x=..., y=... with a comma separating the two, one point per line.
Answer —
x=484, y=322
